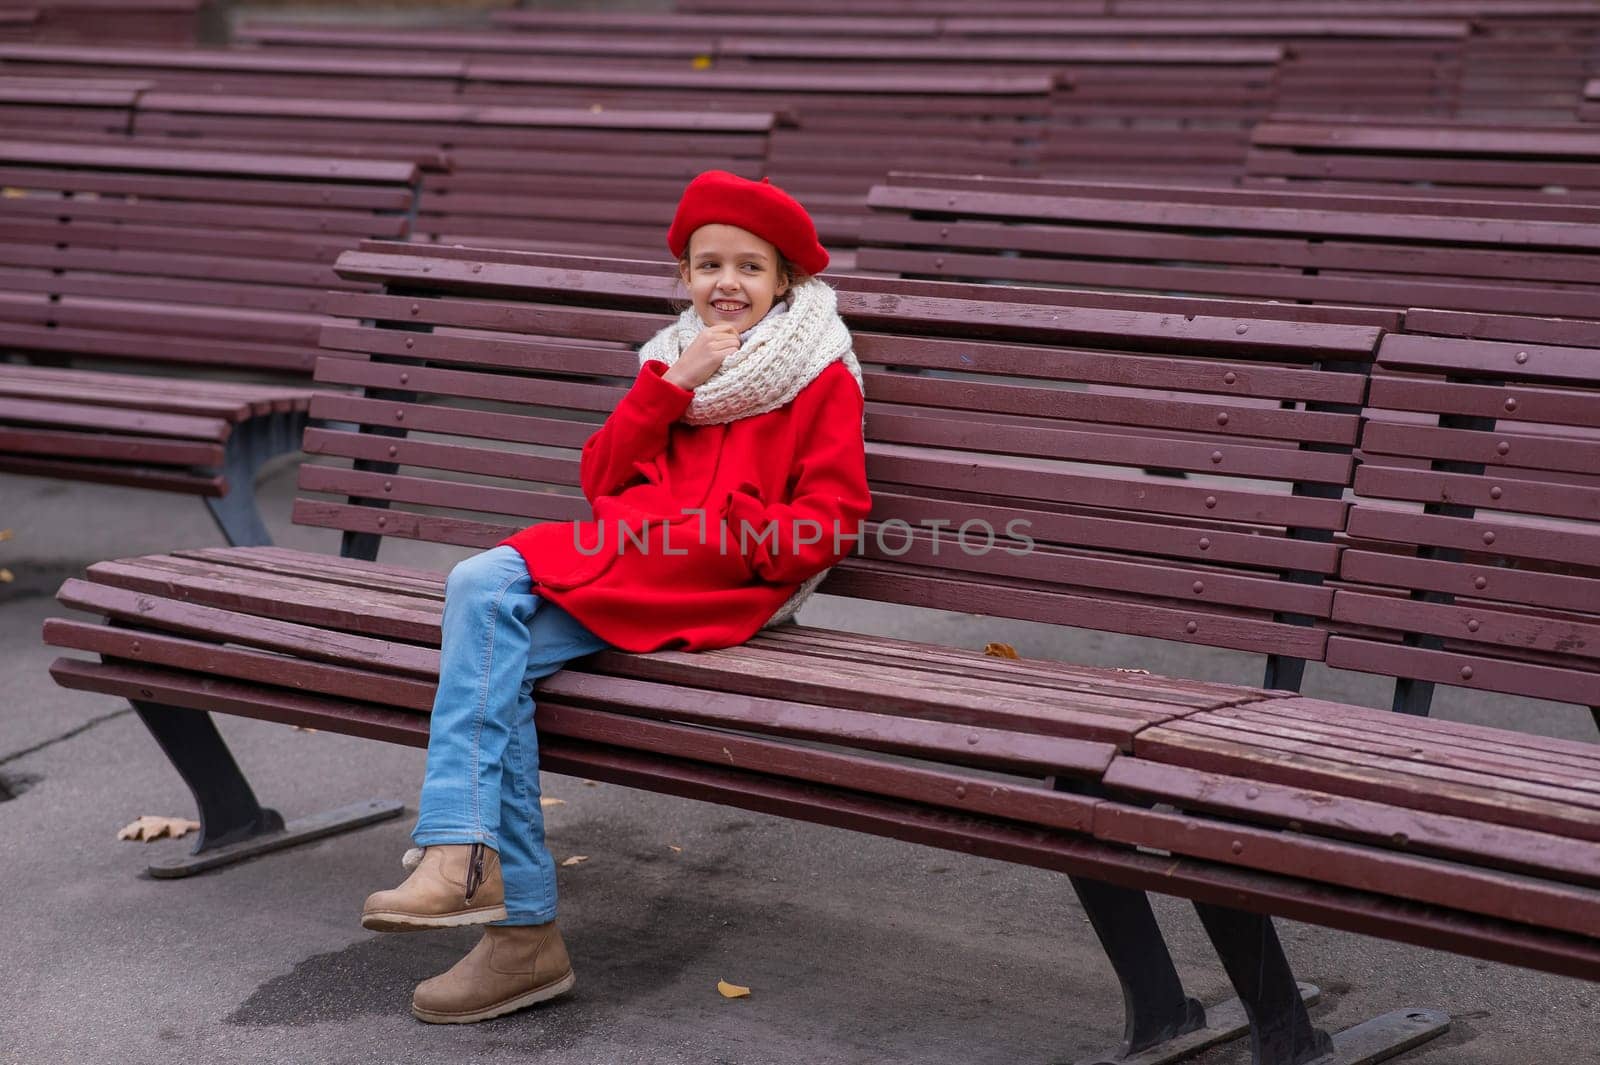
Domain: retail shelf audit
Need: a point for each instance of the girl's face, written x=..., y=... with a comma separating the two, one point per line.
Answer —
x=732, y=276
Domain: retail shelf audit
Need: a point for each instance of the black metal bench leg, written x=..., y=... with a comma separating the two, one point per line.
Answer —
x=1162, y=1023
x=1156, y=1010
x=233, y=824
x=229, y=811
x=236, y=513
x=1281, y=1032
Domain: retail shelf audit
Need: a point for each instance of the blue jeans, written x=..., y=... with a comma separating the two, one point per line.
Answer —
x=482, y=781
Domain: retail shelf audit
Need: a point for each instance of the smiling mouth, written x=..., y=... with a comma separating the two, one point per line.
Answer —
x=728, y=307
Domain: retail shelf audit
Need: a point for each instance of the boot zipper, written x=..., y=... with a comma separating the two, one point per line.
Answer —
x=474, y=870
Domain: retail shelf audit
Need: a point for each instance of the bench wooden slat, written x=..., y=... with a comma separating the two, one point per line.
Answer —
x=1357, y=735
x=1402, y=785
x=392, y=617
x=1497, y=894
x=129, y=421
x=1573, y=547
x=955, y=742
x=154, y=479
x=1519, y=402
x=1491, y=492
x=1351, y=817
x=1467, y=670
x=1106, y=613
x=107, y=447
x=1561, y=591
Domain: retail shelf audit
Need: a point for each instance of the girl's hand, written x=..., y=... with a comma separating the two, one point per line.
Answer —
x=703, y=357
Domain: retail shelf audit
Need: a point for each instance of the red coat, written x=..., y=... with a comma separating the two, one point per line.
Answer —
x=805, y=461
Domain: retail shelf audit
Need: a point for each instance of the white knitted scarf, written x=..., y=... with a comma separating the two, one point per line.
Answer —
x=782, y=354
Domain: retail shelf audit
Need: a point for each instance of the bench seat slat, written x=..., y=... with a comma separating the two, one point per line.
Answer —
x=330, y=569
x=86, y=416
x=1401, y=783
x=340, y=608
x=1352, y=817
x=109, y=448
x=1357, y=737
x=1427, y=880
x=151, y=347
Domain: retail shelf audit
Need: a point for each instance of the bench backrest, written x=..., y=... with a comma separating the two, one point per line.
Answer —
x=978, y=412
x=1475, y=534
x=1456, y=159
x=853, y=125
x=1372, y=251
x=220, y=259
x=556, y=176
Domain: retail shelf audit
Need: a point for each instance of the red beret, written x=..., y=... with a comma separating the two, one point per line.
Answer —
x=758, y=206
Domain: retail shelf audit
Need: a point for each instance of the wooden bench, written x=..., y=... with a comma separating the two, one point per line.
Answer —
x=1589, y=107
x=1376, y=251
x=1134, y=106
x=551, y=177
x=1448, y=159
x=1405, y=66
x=1160, y=107
x=1520, y=62
x=136, y=258
x=852, y=128
x=1269, y=803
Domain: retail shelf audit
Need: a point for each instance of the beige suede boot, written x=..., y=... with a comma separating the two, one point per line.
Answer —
x=512, y=966
x=455, y=884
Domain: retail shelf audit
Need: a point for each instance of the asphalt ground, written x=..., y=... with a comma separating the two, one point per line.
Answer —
x=857, y=949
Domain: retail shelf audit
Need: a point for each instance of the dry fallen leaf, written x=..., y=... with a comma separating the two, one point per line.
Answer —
x=148, y=828
x=545, y=802
x=1000, y=650
x=701, y=62
x=590, y=783
x=6, y=576
x=575, y=859
x=302, y=728
x=6, y=534
x=675, y=848
x=732, y=990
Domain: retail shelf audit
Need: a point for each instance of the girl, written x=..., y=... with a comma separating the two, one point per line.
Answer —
x=729, y=478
